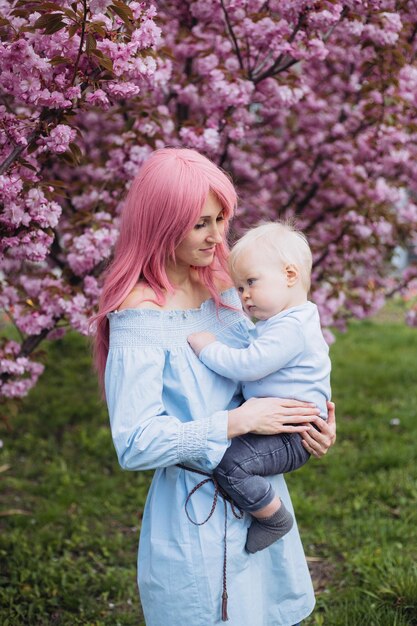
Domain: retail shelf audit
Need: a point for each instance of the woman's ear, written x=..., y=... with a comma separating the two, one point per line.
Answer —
x=292, y=274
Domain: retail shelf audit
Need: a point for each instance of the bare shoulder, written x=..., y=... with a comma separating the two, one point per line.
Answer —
x=139, y=298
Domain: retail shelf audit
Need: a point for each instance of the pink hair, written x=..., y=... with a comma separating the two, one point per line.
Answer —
x=164, y=203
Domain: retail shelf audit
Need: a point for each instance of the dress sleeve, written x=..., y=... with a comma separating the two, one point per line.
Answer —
x=144, y=435
x=278, y=344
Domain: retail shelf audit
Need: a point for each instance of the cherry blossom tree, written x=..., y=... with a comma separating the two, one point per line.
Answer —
x=309, y=105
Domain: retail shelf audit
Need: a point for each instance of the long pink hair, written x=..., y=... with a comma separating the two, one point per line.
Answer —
x=164, y=203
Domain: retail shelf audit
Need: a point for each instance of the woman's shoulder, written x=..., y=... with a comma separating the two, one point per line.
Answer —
x=142, y=296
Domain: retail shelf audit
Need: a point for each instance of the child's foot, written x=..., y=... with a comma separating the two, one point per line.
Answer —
x=266, y=530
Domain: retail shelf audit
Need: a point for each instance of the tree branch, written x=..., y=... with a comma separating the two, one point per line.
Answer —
x=276, y=67
x=322, y=216
x=293, y=196
x=32, y=342
x=232, y=35
x=17, y=151
x=80, y=47
x=413, y=34
x=326, y=251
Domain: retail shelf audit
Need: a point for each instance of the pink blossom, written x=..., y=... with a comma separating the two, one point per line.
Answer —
x=387, y=33
x=99, y=6
x=20, y=374
x=60, y=138
x=122, y=90
x=310, y=107
x=56, y=333
x=34, y=323
x=97, y=98
x=328, y=336
x=89, y=249
x=408, y=84
x=75, y=308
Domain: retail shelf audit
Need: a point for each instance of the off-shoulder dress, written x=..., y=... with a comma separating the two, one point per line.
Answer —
x=167, y=408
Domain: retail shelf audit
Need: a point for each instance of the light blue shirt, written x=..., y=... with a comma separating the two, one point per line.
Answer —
x=288, y=358
x=166, y=407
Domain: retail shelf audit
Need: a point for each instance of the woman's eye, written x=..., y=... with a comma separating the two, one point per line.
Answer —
x=220, y=218
x=198, y=226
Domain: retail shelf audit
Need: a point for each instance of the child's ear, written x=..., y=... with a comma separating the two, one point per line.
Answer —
x=292, y=275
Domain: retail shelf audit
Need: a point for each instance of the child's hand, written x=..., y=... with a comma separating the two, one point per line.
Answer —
x=198, y=341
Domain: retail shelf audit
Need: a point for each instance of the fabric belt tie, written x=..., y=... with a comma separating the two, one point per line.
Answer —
x=236, y=512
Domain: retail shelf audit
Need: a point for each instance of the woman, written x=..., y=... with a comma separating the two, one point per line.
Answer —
x=170, y=413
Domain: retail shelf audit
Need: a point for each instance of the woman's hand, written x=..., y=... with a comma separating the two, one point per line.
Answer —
x=317, y=442
x=271, y=416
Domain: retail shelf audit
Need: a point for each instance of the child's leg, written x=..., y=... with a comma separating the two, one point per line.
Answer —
x=241, y=474
x=249, y=459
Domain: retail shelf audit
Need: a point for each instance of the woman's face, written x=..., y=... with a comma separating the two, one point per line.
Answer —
x=199, y=245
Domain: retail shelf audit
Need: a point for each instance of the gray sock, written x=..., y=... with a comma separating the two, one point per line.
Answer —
x=265, y=531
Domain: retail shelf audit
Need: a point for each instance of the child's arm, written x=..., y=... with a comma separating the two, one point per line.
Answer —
x=276, y=347
x=198, y=341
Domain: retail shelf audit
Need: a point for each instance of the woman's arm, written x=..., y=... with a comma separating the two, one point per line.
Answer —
x=271, y=416
x=145, y=435
x=317, y=442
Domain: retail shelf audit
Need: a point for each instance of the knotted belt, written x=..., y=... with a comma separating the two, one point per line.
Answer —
x=236, y=512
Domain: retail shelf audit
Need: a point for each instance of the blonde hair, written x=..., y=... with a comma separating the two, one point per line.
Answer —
x=280, y=242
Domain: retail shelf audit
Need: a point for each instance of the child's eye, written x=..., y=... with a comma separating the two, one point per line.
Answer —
x=251, y=281
x=240, y=289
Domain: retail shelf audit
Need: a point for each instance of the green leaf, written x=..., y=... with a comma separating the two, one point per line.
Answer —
x=97, y=27
x=48, y=6
x=124, y=7
x=73, y=16
x=53, y=28
x=59, y=60
x=26, y=164
x=45, y=20
x=20, y=13
x=53, y=183
x=76, y=152
x=103, y=60
x=69, y=157
x=122, y=12
x=32, y=147
x=91, y=43
x=72, y=30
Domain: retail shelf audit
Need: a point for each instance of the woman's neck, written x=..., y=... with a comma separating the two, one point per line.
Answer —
x=190, y=292
x=181, y=276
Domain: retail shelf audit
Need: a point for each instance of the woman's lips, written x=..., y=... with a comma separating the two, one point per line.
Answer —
x=208, y=250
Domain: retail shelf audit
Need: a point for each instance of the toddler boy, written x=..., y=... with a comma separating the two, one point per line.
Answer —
x=288, y=358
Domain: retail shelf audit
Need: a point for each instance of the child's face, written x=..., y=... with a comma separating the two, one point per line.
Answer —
x=262, y=284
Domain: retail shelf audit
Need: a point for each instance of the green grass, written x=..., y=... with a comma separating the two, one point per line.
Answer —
x=70, y=518
x=357, y=508
x=68, y=552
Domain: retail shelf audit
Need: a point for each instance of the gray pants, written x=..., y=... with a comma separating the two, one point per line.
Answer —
x=251, y=457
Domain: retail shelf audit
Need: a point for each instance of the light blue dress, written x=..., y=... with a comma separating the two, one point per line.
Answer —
x=165, y=408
